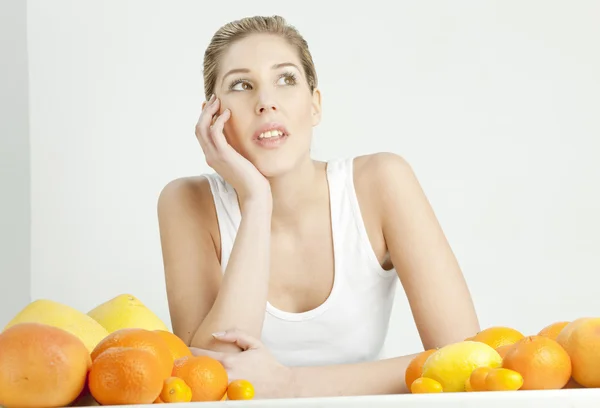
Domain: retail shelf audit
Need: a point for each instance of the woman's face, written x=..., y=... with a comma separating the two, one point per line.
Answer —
x=262, y=83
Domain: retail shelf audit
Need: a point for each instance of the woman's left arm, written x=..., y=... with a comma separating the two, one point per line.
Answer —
x=436, y=290
x=430, y=275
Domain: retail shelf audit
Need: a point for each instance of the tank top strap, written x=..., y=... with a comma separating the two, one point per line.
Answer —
x=228, y=213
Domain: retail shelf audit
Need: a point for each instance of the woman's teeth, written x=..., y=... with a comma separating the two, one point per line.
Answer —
x=270, y=133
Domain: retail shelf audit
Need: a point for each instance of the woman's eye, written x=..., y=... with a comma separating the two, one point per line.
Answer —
x=286, y=80
x=241, y=86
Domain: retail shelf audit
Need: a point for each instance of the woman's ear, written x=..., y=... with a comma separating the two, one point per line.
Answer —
x=316, y=107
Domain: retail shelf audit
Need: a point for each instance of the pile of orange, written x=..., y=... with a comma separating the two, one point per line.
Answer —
x=129, y=366
x=561, y=355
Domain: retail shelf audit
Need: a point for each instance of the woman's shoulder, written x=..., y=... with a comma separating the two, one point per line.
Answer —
x=189, y=194
x=380, y=169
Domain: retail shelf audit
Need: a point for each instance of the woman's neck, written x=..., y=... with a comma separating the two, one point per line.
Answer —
x=297, y=192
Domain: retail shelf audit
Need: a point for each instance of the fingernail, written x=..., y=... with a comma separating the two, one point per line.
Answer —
x=218, y=334
x=212, y=97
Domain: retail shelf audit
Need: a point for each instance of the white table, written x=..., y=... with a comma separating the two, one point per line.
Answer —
x=568, y=398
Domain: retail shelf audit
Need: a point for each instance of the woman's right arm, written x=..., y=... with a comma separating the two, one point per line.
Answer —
x=202, y=299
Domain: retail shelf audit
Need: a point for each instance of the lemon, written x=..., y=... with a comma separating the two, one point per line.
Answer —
x=453, y=364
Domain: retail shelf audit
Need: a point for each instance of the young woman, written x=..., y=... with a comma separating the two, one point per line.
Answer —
x=285, y=268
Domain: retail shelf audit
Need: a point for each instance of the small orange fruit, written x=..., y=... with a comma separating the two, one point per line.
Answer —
x=206, y=377
x=175, y=390
x=126, y=375
x=542, y=362
x=424, y=385
x=414, y=369
x=477, y=378
x=240, y=390
x=503, y=379
x=552, y=330
x=177, y=347
x=468, y=387
x=581, y=340
x=498, y=336
x=141, y=339
x=41, y=366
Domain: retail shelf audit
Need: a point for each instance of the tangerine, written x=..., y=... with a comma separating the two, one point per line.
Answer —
x=553, y=330
x=542, y=362
x=414, y=369
x=177, y=347
x=126, y=375
x=498, y=336
x=206, y=377
x=141, y=339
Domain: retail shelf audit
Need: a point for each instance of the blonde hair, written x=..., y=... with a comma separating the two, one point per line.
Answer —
x=239, y=29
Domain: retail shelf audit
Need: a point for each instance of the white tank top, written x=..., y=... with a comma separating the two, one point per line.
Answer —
x=352, y=324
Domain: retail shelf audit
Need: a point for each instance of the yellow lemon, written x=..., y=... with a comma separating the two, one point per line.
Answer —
x=453, y=364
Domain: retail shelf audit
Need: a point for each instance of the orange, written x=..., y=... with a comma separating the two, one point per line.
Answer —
x=542, y=362
x=140, y=339
x=503, y=379
x=175, y=390
x=502, y=350
x=126, y=375
x=477, y=378
x=424, y=385
x=581, y=340
x=498, y=336
x=553, y=330
x=177, y=347
x=414, y=369
x=240, y=390
x=206, y=377
x=34, y=360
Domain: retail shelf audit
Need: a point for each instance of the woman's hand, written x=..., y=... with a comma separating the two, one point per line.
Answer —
x=242, y=175
x=254, y=363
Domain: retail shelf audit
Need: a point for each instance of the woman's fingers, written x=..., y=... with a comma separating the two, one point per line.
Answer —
x=205, y=121
x=216, y=132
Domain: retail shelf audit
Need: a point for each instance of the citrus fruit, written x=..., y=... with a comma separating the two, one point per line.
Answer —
x=451, y=365
x=140, y=339
x=35, y=359
x=502, y=350
x=126, y=375
x=581, y=341
x=542, y=362
x=177, y=347
x=415, y=367
x=240, y=390
x=503, y=379
x=175, y=390
x=468, y=386
x=477, y=378
x=206, y=377
x=552, y=330
x=498, y=336
x=424, y=385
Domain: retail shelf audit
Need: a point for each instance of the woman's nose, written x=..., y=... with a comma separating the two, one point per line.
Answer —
x=266, y=104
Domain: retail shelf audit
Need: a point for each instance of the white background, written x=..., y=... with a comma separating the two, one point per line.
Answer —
x=496, y=104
